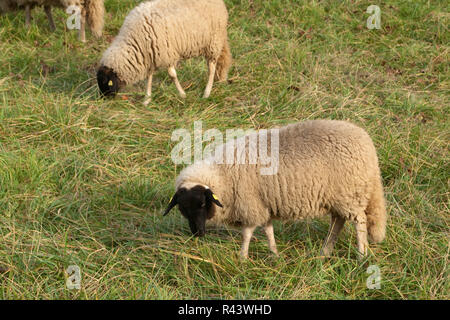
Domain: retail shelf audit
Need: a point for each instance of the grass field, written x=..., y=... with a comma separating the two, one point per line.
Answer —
x=83, y=181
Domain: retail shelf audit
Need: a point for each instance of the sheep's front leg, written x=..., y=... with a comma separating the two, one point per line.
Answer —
x=173, y=75
x=268, y=229
x=82, y=31
x=336, y=225
x=48, y=12
x=149, y=90
x=212, y=71
x=361, y=236
x=27, y=15
x=247, y=233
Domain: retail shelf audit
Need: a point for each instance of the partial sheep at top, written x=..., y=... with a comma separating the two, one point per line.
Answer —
x=324, y=167
x=158, y=34
x=91, y=12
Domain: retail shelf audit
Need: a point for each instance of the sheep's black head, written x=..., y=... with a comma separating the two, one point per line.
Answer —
x=108, y=81
x=196, y=205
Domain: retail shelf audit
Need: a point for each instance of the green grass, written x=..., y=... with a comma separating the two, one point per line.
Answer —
x=84, y=180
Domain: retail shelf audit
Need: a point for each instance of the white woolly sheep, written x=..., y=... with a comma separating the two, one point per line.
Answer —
x=91, y=11
x=158, y=34
x=324, y=167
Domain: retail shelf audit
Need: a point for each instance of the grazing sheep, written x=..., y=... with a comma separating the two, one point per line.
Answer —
x=324, y=167
x=158, y=34
x=91, y=11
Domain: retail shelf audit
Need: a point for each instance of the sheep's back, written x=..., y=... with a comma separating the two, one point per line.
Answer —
x=323, y=164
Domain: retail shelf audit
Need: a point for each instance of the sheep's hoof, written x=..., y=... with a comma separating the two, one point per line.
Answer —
x=243, y=257
x=361, y=257
x=325, y=253
x=147, y=101
x=183, y=95
x=273, y=256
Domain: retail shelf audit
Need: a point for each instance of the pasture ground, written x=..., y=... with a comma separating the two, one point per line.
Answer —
x=83, y=181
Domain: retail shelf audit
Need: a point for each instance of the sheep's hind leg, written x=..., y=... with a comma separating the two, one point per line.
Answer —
x=361, y=236
x=247, y=233
x=337, y=223
x=149, y=90
x=48, y=12
x=27, y=16
x=212, y=71
x=173, y=75
x=82, y=30
x=268, y=229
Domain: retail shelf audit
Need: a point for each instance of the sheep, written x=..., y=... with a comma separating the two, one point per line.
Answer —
x=324, y=167
x=91, y=11
x=160, y=33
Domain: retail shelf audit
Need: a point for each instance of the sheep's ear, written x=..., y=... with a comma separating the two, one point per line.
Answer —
x=212, y=197
x=172, y=203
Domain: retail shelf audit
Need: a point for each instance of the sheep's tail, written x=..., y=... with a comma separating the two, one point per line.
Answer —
x=376, y=213
x=223, y=63
x=95, y=12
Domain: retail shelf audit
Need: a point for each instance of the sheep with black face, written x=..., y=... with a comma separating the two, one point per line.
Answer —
x=196, y=204
x=325, y=167
x=157, y=35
